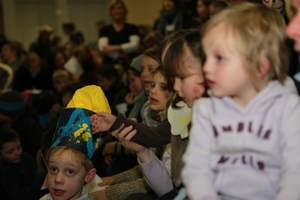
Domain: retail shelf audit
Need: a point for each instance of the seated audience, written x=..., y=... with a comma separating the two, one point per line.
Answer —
x=17, y=169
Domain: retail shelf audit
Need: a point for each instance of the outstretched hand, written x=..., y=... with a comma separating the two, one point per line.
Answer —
x=102, y=121
x=124, y=135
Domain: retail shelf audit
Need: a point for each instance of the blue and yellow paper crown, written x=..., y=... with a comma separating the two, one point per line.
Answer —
x=74, y=128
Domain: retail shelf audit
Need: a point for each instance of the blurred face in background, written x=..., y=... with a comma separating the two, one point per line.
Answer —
x=35, y=67
x=11, y=151
x=7, y=54
x=148, y=64
x=168, y=5
x=60, y=59
x=202, y=10
x=135, y=83
x=117, y=11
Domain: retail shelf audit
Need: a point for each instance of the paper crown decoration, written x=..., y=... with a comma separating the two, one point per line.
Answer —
x=73, y=128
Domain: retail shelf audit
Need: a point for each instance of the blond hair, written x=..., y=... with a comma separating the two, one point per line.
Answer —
x=77, y=155
x=289, y=9
x=112, y=3
x=259, y=33
x=60, y=73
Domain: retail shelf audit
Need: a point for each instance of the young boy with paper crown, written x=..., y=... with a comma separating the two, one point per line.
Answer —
x=245, y=139
x=69, y=163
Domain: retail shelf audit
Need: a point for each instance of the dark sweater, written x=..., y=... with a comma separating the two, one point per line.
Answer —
x=146, y=135
x=16, y=178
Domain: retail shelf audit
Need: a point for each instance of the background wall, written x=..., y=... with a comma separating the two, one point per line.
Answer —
x=22, y=18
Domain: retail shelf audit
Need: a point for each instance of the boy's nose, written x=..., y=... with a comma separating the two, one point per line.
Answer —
x=58, y=178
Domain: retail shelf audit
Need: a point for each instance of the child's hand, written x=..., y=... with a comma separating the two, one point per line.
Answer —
x=127, y=143
x=107, y=181
x=124, y=135
x=102, y=121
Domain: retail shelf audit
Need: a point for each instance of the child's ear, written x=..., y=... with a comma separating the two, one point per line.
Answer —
x=90, y=176
x=263, y=68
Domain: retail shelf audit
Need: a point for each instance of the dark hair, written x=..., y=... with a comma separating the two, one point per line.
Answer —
x=7, y=134
x=176, y=45
x=207, y=2
x=72, y=86
x=186, y=39
x=170, y=38
x=46, y=140
x=68, y=25
x=134, y=71
x=108, y=71
x=15, y=47
x=153, y=53
x=153, y=38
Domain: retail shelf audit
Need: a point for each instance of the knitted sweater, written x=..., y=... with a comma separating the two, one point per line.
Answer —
x=128, y=183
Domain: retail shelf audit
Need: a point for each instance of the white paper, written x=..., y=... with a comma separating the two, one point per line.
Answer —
x=93, y=185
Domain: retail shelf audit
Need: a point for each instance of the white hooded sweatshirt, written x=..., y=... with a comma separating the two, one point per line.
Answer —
x=250, y=152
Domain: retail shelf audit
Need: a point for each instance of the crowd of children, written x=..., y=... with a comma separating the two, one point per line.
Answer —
x=204, y=107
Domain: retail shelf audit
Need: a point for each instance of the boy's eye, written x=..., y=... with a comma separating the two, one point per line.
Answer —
x=53, y=170
x=70, y=172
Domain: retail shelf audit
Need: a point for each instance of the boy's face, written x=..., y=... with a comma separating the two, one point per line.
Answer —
x=66, y=176
x=293, y=28
x=12, y=151
x=202, y=10
x=224, y=69
x=159, y=93
x=148, y=64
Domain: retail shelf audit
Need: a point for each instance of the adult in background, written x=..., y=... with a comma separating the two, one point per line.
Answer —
x=119, y=40
x=43, y=46
x=172, y=18
x=12, y=54
x=74, y=36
